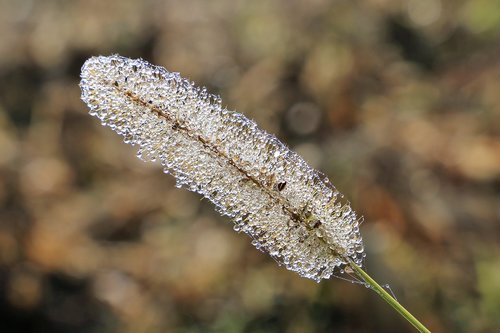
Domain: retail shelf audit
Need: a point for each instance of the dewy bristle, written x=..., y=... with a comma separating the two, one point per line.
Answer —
x=289, y=209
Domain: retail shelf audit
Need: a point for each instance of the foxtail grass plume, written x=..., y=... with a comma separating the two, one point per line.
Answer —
x=290, y=210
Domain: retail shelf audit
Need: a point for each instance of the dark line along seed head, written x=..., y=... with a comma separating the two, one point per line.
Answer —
x=290, y=210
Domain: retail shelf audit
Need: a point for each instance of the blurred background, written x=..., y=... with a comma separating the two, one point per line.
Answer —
x=397, y=101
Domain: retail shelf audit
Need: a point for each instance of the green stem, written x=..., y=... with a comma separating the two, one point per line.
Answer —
x=388, y=298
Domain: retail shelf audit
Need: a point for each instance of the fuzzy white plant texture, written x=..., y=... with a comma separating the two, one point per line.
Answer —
x=290, y=210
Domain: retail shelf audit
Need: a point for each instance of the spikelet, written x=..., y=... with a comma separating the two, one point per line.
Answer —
x=290, y=210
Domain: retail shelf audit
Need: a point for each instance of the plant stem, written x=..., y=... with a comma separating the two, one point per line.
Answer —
x=388, y=298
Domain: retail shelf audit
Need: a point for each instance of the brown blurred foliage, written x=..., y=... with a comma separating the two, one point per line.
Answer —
x=397, y=101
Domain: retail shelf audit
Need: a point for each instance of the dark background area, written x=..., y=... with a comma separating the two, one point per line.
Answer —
x=398, y=102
